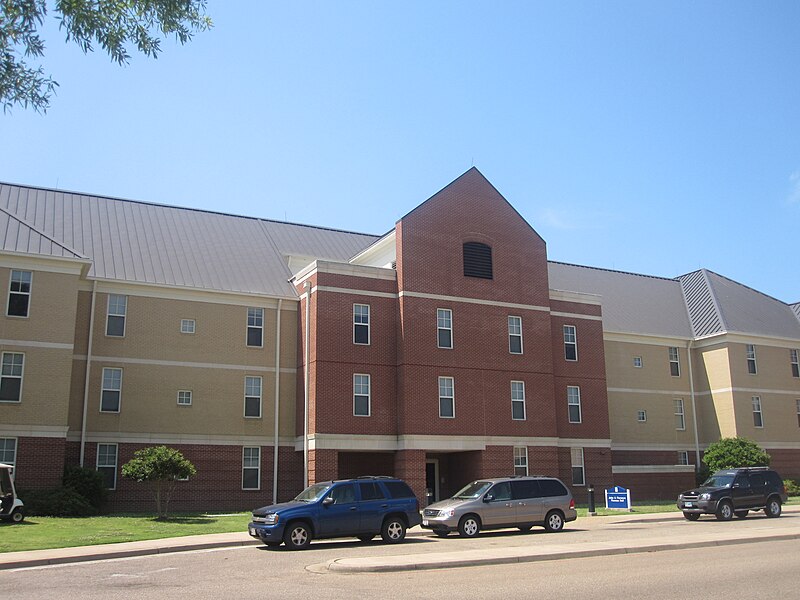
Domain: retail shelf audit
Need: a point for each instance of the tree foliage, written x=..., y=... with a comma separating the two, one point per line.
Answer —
x=160, y=467
x=729, y=453
x=114, y=25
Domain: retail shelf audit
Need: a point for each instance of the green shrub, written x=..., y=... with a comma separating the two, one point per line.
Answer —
x=731, y=453
x=88, y=483
x=792, y=487
x=56, y=502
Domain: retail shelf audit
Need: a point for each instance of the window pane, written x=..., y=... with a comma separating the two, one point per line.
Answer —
x=446, y=407
x=18, y=305
x=250, y=479
x=110, y=401
x=254, y=336
x=116, y=326
x=445, y=338
x=361, y=334
x=361, y=406
x=252, y=407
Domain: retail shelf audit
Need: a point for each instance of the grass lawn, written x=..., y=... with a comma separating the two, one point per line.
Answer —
x=38, y=533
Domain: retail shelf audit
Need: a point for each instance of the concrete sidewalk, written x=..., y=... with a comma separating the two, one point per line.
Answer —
x=592, y=536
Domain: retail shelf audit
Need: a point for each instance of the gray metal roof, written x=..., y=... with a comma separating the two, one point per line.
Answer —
x=157, y=244
x=796, y=309
x=631, y=303
x=718, y=304
x=18, y=236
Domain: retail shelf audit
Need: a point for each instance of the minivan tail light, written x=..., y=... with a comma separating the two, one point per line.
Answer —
x=572, y=503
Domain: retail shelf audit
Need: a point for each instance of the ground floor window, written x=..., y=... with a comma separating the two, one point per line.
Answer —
x=578, y=475
x=683, y=457
x=251, y=468
x=8, y=451
x=520, y=461
x=107, y=464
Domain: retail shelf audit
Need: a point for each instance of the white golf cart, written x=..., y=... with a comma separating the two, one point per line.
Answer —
x=10, y=506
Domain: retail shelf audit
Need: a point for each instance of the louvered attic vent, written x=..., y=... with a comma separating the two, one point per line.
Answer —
x=477, y=260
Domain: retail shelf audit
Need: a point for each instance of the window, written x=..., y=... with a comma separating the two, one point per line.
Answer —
x=8, y=451
x=187, y=325
x=255, y=327
x=107, y=464
x=758, y=416
x=570, y=343
x=444, y=327
x=447, y=401
x=252, y=397
x=515, y=335
x=750, y=349
x=19, y=294
x=797, y=403
x=674, y=363
x=477, y=260
x=370, y=491
x=578, y=475
x=518, y=400
x=795, y=363
x=520, y=461
x=574, y=403
x=641, y=416
x=361, y=324
x=251, y=468
x=11, y=377
x=683, y=457
x=637, y=362
x=184, y=398
x=115, y=319
x=112, y=390
x=361, y=395
x=680, y=418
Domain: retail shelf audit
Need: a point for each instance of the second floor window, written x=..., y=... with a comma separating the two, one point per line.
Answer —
x=185, y=397
x=252, y=397
x=111, y=394
x=444, y=327
x=117, y=309
x=515, y=335
x=11, y=377
x=674, y=363
x=361, y=324
x=758, y=416
x=447, y=400
x=19, y=294
x=255, y=327
x=570, y=343
x=752, y=368
x=680, y=417
x=361, y=395
x=518, y=400
x=795, y=363
x=574, y=403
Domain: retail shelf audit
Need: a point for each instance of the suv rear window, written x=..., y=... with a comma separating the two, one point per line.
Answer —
x=552, y=487
x=398, y=489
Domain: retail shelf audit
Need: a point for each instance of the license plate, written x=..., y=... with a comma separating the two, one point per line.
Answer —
x=688, y=504
x=425, y=522
x=252, y=531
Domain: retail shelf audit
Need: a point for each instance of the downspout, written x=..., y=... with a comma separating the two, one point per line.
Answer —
x=86, y=376
x=307, y=286
x=277, y=403
x=694, y=408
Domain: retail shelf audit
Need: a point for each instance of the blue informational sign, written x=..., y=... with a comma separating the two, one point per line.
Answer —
x=618, y=497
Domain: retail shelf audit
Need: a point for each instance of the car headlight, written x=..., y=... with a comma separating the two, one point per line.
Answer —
x=451, y=512
x=705, y=496
x=271, y=519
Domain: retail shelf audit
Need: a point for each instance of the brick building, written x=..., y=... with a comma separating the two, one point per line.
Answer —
x=272, y=354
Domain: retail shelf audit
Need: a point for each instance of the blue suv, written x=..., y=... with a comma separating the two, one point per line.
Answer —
x=362, y=508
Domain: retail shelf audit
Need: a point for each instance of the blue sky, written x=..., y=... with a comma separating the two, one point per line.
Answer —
x=653, y=137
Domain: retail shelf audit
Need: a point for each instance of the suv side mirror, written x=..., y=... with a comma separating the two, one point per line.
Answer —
x=328, y=501
x=488, y=497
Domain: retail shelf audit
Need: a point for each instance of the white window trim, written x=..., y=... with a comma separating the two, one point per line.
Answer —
x=760, y=411
x=104, y=389
x=523, y=454
x=750, y=354
x=194, y=326
x=260, y=397
x=683, y=457
x=578, y=404
x=582, y=465
x=21, y=377
x=794, y=361
x=641, y=413
x=28, y=294
x=124, y=315
x=518, y=400
x=450, y=329
x=566, y=343
x=519, y=335
x=249, y=327
x=368, y=325
x=676, y=361
x=452, y=398
x=681, y=413
x=116, y=461
x=191, y=399
x=258, y=468
x=640, y=361
x=369, y=394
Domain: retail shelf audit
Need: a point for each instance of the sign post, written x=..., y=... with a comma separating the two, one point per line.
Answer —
x=618, y=497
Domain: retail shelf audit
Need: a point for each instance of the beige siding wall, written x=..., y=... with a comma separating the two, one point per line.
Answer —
x=654, y=373
x=716, y=395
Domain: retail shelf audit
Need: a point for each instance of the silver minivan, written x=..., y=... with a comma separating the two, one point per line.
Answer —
x=502, y=502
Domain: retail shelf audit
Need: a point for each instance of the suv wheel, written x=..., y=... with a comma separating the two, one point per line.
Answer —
x=469, y=526
x=773, y=508
x=297, y=536
x=393, y=530
x=554, y=521
x=691, y=516
x=725, y=510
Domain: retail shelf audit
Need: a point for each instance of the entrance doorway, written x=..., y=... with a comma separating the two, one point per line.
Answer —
x=432, y=480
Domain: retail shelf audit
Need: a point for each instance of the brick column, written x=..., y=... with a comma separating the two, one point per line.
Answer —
x=323, y=465
x=410, y=466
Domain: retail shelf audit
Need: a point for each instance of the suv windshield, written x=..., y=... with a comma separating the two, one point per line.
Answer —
x=313, y=492
x=473, y=490
x=719, y=480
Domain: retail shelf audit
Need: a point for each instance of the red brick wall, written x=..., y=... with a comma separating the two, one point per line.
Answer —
x=786, y=463
x=657, y=457
x=650, y=486
x=39, y=463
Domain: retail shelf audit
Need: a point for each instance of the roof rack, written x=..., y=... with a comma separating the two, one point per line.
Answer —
x=374, y=477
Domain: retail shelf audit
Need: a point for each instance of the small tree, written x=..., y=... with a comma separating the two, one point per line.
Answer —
x=729, y=453
x=161, y=467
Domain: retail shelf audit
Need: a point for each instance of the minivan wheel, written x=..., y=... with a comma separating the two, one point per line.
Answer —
x=554, y=521
x=393, y=530
x=773, y=508
x=297, y=536
x=741, y=514
x=469, y=526
x=691, y=516
x=725, y=511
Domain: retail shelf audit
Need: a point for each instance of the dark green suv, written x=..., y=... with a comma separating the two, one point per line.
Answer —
x=735, y=492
